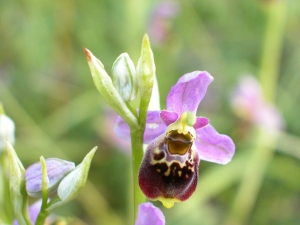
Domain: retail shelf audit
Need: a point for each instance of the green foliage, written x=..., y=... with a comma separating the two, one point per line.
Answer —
x=46, y=88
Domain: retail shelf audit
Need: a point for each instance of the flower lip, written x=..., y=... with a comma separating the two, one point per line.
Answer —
x=179, y=143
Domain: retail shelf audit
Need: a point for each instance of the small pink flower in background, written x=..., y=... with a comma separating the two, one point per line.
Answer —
x=248, y=103
x=161, y=19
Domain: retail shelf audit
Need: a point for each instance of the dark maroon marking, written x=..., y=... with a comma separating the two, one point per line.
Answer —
x=159, y=156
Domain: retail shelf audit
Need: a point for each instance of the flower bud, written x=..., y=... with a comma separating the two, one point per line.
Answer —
x=105, y=86
x=7, y=129
x=57, y=169
x=145, y=71
x=71, y=184
x=124, y=77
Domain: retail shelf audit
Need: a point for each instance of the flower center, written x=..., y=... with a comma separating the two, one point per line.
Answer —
x=181, y=134
x=179, y=143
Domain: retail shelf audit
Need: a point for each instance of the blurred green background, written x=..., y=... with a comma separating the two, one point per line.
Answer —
x=47, y=89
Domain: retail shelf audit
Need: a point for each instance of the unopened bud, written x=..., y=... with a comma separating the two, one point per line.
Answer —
x=7, y=129
x=146, y=71
x=57, y=169
x=71, y=184
x=124, y=77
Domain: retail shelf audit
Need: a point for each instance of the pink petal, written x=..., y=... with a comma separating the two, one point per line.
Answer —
x=33, y=211
x=154, y=127
x=214, y=147
x=122, y=129
x=188, y=92
x=201, y=122
x=168, y=117
x=149, y=215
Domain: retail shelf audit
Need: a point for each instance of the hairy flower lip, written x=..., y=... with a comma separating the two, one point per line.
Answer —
x=168, y=177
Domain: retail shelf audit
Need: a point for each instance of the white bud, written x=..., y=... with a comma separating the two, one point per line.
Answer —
x=7, y=131
x=124, y=77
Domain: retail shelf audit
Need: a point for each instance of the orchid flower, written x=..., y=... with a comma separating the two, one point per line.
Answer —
x=178, y=140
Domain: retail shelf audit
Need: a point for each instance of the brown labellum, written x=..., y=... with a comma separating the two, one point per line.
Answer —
x=169, y=170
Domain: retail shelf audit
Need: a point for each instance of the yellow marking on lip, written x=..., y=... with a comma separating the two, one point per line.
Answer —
x=167, y=202
x=167, y=173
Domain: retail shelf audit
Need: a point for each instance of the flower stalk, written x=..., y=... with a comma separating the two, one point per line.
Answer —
x=137, y=155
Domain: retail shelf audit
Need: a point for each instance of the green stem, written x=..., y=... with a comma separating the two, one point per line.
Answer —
x=42, y=217
x=132, y=109
x=137, y=155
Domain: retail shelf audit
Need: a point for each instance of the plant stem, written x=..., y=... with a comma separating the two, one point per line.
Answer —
x=136, y=135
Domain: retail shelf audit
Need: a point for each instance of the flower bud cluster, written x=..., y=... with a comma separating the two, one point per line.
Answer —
x=126, y=81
